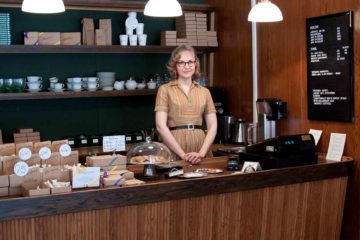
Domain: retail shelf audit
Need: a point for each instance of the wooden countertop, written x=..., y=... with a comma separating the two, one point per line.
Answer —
x=169, y=189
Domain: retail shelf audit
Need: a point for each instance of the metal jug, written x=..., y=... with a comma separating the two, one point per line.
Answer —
x=252, y=133
x=239, y=131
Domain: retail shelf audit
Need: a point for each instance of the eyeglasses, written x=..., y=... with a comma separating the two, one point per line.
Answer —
x=183, y=64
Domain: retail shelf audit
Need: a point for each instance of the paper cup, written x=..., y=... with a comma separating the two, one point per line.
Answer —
x=140, y=29
x=142, y=39
x=133, y=40
x=123, y=39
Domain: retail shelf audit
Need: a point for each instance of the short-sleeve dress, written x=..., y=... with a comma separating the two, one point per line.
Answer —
x=185, y=109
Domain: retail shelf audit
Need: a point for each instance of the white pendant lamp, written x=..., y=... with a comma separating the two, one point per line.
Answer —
x=265, y=11
x=163, y=8
x=43, y=6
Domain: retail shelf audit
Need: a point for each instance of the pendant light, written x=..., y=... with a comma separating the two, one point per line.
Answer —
x=265, y=11
x=43, y=6
x=163, y=8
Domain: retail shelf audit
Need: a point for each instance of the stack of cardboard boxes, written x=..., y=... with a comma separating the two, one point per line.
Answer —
x=26, y=135
x=191, y=28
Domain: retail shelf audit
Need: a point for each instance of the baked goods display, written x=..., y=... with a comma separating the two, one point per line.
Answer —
x=149, y=159
x=148, y=152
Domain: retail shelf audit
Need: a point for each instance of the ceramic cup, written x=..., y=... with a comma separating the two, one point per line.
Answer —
x=34, y=85
x=70, y=80
x=76, y=79
x=123, y=39
x=58, y=86
x=92, y=85
x=142, y=39
x=151, y=85
x=34, y=79
x=76, y=86
x=69, y=85
x=133, y=40
x=129, y=31
x=92, y=79
x=140, y=29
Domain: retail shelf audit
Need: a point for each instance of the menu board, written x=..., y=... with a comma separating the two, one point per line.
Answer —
x=330, y=70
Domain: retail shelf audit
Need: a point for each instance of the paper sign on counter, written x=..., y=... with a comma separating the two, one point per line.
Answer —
x=316, y=134
x=336, y=146
x=114, y=143
x=83, y=177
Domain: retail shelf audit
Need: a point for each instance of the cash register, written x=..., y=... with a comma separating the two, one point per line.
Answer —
x=282, y=151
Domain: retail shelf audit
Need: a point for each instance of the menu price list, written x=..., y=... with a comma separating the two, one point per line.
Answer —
x=330, y=67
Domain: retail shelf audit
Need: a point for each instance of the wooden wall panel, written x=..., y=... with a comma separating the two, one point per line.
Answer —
x=283, y=74
x=310, y=210
x=232, y=68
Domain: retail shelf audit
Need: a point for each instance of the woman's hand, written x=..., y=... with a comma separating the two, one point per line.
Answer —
x=193, y=157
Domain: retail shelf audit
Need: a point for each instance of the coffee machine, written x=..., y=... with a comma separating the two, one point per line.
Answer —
x=225, y=122
x=269, y=111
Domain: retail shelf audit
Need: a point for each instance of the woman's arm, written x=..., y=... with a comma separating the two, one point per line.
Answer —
x=168, y=138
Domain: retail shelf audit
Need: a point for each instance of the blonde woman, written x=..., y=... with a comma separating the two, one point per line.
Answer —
x=181, y=105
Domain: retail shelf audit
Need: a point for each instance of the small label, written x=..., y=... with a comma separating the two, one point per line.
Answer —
x=21, y=168
x=44, y=153
x=65, y=150
x=138, y=138
x=71, y=142
x=95, y=140
x=25, y=154
x=128, y=138
x=84, y=141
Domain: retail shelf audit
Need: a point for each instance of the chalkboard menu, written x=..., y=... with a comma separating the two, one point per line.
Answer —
x=330, y=68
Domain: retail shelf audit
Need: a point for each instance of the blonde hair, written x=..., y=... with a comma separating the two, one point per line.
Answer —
x=175, y=56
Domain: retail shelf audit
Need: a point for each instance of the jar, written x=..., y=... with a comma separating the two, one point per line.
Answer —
x=81, y=141
x=233, y=163
x=95, y=140
x=71, y=141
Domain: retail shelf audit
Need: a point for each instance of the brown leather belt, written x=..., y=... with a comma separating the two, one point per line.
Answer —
x=189, y=126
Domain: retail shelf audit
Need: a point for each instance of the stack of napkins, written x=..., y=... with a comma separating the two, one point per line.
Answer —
x=5, y=38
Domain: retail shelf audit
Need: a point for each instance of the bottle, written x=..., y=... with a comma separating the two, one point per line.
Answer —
x=233, y=163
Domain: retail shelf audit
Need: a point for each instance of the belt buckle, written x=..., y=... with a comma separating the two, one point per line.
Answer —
x=190, y=126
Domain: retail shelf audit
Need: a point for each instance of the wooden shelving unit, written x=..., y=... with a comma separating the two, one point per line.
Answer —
x=82, y=94
x=153, y=49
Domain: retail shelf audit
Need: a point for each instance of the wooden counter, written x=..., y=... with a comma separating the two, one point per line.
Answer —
x=293, y=203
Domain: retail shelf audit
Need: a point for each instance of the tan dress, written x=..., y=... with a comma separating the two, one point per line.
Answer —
x=185, y=109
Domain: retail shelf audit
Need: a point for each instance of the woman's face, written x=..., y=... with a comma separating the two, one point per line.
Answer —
x=185, y=66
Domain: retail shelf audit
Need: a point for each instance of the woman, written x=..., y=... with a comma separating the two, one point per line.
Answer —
x=181, y=106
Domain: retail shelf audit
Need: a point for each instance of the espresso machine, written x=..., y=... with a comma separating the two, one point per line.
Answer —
x=269, y=110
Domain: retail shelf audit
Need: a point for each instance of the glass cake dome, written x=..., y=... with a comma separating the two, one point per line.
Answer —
x=148, y=152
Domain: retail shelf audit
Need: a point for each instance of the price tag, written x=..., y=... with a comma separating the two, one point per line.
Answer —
x=25, y=154
x=114, y=143
x=65, y=150
x=21, y=169
x=44, y=153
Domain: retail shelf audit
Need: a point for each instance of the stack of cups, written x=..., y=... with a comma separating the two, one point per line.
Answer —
x=140, y=34
x=131, y=23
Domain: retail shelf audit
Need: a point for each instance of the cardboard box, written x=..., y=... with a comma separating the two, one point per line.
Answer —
x=34, y=160
x=31, y=38
x=19, y=135
x=30, y=189
x=59, y=190
x=20, y=140
x=33, y=134
x=33, y=139
x=4, y=191
x=26, y=130
x=105, y=24
x=39, y=145
x=4, y=181
x=19, y=146
x=72, y=159
x=88, y=32
x=49, y=38
x=7, y=149
x=100, y=39
x=14, y=191
x=70, y=38
x=34, y=175
x=113, y=168
x=54, y=160
x=9, y=163
x=1, y=166
x=132, y=182
x=55, y=145
x=112, y=180
x=123, y=173
x=106, y=160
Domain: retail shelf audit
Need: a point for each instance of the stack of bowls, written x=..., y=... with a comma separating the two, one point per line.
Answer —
x=106, y=80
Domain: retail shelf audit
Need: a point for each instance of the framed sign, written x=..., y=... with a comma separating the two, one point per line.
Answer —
x=330, y=70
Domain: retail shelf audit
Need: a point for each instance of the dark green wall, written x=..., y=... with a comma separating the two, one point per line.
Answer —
x=70, y=117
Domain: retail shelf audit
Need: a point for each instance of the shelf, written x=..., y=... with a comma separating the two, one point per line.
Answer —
x=15, y=49
x=82, y=94
x=113, y=5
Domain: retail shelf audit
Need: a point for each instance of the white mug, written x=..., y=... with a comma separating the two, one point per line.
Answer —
x=140, y=29
x=123, y=39
x=92, y=85
x=142, y=39
x=34, y=85
x=58, y=86
x=70, y=80
x=92, y=79
x=76, y=86
x=76, y=79
x=69, y=85
x=34, y=78
x=133, y=40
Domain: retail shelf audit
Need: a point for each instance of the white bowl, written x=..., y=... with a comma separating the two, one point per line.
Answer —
x=141, y=85
x=106, y=74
